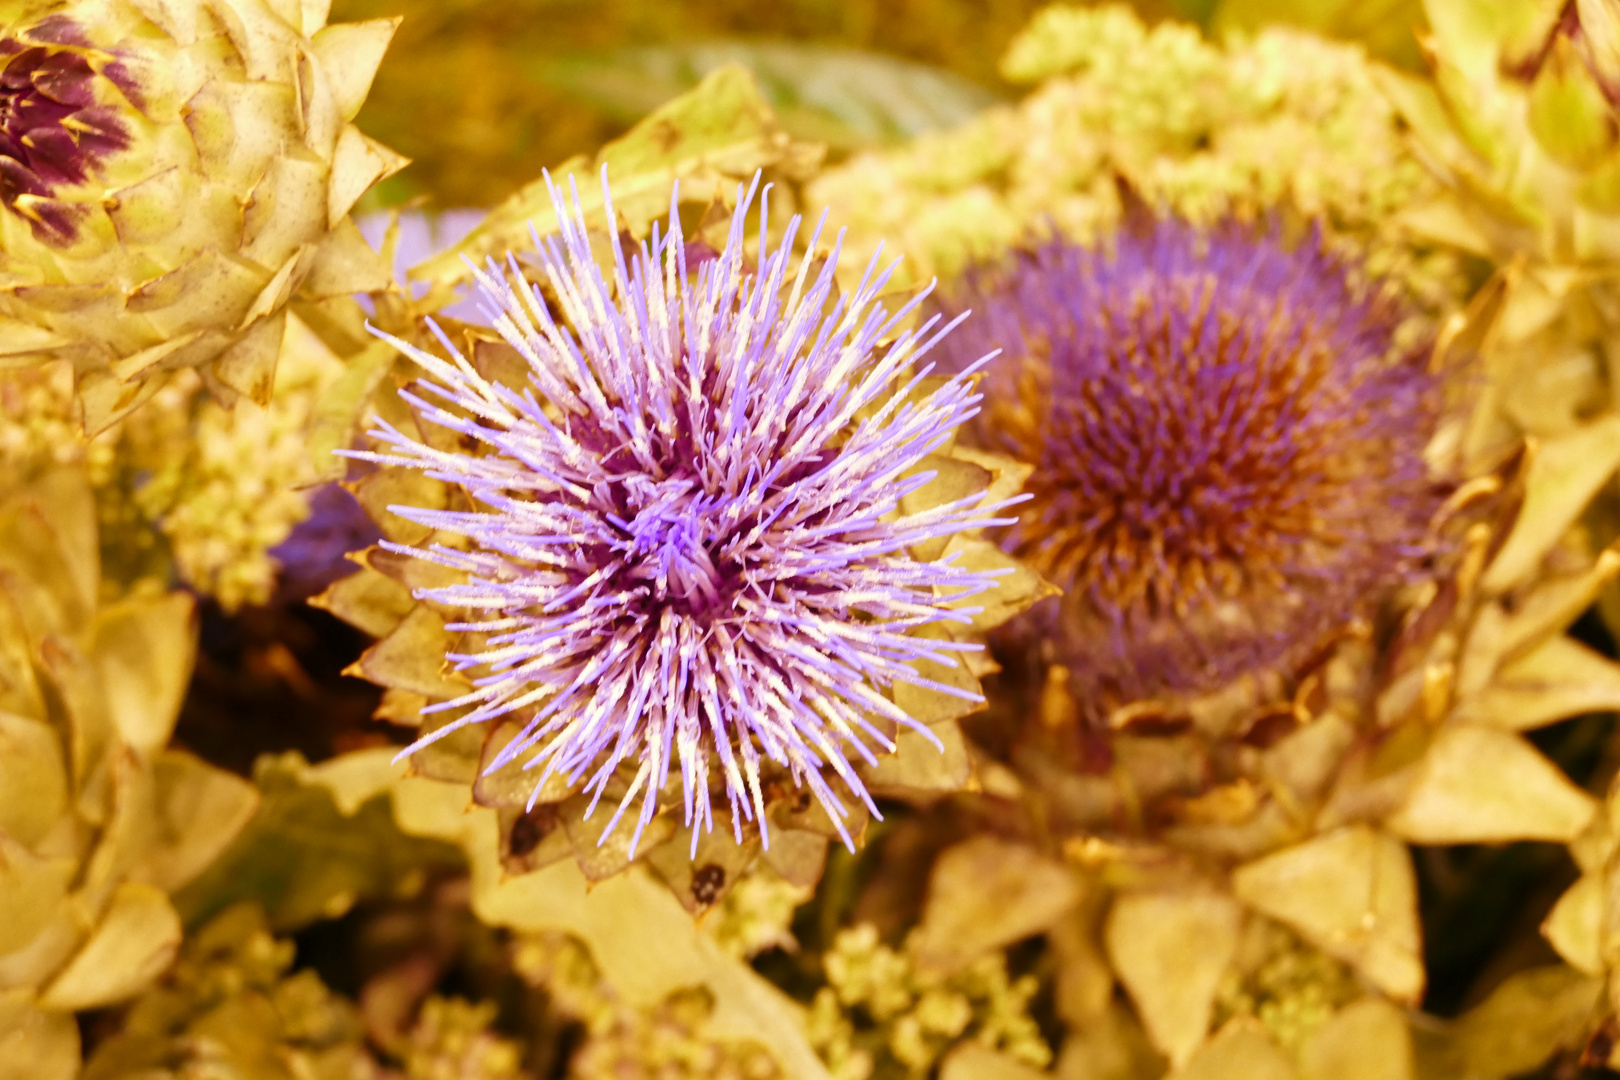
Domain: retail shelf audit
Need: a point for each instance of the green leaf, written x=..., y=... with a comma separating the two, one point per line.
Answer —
x=846, y=98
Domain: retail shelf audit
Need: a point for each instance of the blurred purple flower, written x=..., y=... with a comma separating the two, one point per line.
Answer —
x=1228, y=446
x=314, y=554
x=692, y=548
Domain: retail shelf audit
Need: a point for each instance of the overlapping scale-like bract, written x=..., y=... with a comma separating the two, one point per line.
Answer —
x=172, y=172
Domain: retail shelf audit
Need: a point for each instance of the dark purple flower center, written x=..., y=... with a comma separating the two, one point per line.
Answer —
x=53, y=132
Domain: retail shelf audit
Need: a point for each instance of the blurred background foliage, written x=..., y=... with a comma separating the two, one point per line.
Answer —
x=483, y=94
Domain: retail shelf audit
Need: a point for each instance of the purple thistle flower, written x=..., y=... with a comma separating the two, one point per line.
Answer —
x=1228, y=447
x=692, y=549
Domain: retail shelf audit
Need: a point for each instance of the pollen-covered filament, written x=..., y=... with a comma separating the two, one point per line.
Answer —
x=667, y=545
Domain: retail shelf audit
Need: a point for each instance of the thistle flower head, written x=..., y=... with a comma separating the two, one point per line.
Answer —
x=689, y=546
x=1228, y=446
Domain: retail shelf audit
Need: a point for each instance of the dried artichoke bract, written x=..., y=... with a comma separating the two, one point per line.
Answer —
x=175, y=171
x=99, y=822
x=1518, y=122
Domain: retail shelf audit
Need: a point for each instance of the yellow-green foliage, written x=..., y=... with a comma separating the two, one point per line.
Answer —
x=1283, y=122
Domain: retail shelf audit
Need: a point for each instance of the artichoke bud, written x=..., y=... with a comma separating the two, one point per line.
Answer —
x=171, y=173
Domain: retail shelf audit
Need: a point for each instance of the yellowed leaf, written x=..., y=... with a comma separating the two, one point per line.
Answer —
x=248, y=366
x=198, y=811
x=143, y=649
x=512, y=784
x=918, y=768
x=1365, y=1040
x=399, y=486
x=132, y=945
x=1352, y=894
x=797, y=856
x=1574, y=927
x=357, y=163
x=1017, y=587
x=1479, y=785
x=955, y=479
x=344, y=263
x=367, y=600
x=35, y=1044
x=412, y=657
x=602, y=854
x=33, y=778
x=1564, y=475
x=350, y=53
x=31, y=891
x=338, y=411
x=1242, y=1050
x=1527, y=1018
x=1553, y=604
x=1556, y=680
x=700, y=879
x=1170, y=950
x=986, y=893
x=972, y=1060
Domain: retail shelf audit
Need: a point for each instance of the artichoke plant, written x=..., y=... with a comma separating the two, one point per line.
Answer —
x=174, y=173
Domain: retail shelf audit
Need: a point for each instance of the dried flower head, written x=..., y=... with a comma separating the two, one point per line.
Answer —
x=1228, y=446
x=692, y=545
